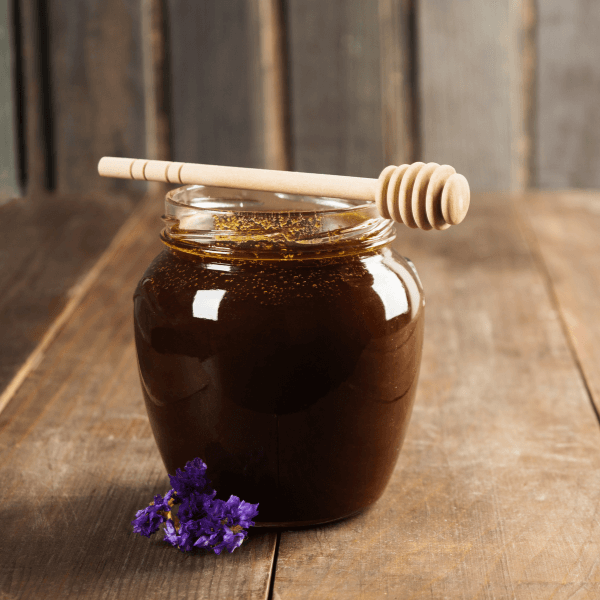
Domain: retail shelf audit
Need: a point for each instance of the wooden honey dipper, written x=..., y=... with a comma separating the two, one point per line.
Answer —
x=427, y=196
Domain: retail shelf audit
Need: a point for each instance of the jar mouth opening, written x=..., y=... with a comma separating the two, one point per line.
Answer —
x=233, y=200
x=225, y=220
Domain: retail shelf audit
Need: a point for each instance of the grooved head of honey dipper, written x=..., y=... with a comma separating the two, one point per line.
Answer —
x=456, y=198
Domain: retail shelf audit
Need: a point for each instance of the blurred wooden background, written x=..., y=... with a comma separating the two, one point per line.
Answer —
x=507, y=92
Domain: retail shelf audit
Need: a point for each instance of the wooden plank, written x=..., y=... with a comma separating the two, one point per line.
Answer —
x=565, y=228
x=399, y=110
x=273, y=75
x=9, y=178
x=216, y=88
x=47, y=244
x=78, y=458
x=568, y=99
x=335, y=87
x=157, y=80
x=497, y=489
x=39, y=171
x=473, y=109
x=96, y=81
x=525, y=102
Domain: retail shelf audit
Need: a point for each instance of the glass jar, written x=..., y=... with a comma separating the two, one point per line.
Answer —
x=279, y=339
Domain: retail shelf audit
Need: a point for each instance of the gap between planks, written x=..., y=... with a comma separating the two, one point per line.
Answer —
x=271, y=590
x=523, y=221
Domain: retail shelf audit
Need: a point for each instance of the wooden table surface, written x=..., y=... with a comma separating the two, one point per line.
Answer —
x=496, y=494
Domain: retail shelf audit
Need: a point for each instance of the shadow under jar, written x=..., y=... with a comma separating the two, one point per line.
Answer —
x=279, y=339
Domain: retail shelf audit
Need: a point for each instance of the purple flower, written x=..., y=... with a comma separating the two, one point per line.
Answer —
x=219, y=537
x=202, y=521
x=224, y=538
x=238, y=512
x=230, y=540
x=171, y=534
x=225, y=523
x=191, y=479
x=167, y=502
x=147, y=521
x=179, y=536
x=195, y=506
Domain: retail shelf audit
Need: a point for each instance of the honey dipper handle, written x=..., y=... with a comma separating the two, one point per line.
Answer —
x=288, y=182
x=427, y=196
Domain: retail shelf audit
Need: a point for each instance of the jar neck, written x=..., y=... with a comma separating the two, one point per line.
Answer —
x=242, y=224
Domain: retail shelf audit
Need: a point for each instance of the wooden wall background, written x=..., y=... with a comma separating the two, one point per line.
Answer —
x=507, y=92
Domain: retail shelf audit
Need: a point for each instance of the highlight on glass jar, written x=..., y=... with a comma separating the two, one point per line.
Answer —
x=278, y=334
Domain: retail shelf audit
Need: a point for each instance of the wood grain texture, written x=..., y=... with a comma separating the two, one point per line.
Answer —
x=525, y=104
x=568, y=99
x=216, y=89
x=78, y=459
x=9, y=179
x=157, y=79
x=273, y=76
x=497, y=489
x=96, y=82
x=472, y=89
x=565, y=228
x=47, y=244
x=335, y=87
x=399, y=96
x=39, y=171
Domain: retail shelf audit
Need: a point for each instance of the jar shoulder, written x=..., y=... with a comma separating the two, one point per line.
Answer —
x=380, y=286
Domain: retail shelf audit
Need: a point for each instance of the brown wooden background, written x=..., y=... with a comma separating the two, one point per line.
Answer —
x=507, y=92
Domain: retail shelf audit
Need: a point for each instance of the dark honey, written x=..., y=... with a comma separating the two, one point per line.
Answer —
x=292, y=375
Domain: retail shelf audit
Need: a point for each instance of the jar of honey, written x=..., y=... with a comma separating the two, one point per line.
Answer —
x=279, y=339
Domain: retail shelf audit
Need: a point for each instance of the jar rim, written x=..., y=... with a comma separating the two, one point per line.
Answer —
x=225, y=220
x=229, y=196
